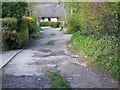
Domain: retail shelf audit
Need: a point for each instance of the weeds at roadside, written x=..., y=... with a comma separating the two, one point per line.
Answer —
x=53, y=34
x=57, y=81
x=51, y=42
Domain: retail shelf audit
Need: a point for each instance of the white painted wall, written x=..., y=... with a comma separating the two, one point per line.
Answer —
x=46, y=19
x=41, y=20
x=54, y=19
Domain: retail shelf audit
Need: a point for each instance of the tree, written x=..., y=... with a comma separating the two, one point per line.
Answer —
x=14, y=10
x=34, y=10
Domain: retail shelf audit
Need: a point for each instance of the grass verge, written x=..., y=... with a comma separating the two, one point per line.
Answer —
x=51, y=42
x=57, y=81
x=102, y=51
x=53, y=34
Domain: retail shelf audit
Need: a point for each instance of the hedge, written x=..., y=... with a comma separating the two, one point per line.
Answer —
x=24, y=32
x=9, y=23
x=28, y=29
x=33, y=28
x=23, y=36
x=51, y=24
x=11, y=39
x=31, y=24
x=96, y=33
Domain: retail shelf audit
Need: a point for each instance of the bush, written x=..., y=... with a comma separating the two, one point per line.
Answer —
x=28, y=23
x=9, y=23
x=49, y=23
x=55, y=24
x=36, y=33
x=10, y=40
x=43, y=24
x=13, y=39
x=21, y=37
x=31, y=24
x=73, y=24
x=34, y=30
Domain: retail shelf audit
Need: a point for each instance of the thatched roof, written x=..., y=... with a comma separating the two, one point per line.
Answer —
x=50, y=10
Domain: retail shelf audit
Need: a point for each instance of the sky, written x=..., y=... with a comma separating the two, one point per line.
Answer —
x=60, y=0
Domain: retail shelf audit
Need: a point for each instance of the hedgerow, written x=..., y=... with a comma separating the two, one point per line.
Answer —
x=50, y=23
x=96, y=33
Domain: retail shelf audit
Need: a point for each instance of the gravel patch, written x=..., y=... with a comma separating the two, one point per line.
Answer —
x=25, y=81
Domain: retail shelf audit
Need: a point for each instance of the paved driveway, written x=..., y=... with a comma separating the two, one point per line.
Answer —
x=6, y=55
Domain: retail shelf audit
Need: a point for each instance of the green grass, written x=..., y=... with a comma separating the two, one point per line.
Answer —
x=57, y=81
x=51, y=42
x=0, y=77
x=102, y=51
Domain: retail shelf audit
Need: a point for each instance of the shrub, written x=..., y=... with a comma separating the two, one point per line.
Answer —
x=43, y=24
x=10, y=40
x=55, y=24
x=34, y=29
x=73, y=24
x=36, y=33
x=28, y=23
x=9, y=23
x=31, y=24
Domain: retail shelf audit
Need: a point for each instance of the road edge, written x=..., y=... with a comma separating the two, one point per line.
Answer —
x=10, y=58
